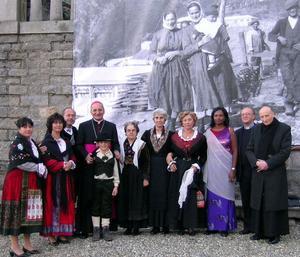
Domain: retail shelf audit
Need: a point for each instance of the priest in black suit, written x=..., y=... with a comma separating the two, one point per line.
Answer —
x=244, y=169
x=268, y=149
x=70, y=132
x=87, y=134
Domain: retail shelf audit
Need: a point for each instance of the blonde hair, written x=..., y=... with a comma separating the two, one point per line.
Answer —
x=184, y=114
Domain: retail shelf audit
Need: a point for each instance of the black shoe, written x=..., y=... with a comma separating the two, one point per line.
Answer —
x=113, y=226
x=255, y=237
x=53, y=243
x=13, y=254
x=155, y=230
x=224, y=233
x=244, y=231
x=107, y=236
x=210, y=232
x=96, y=234
x=274, y=240
x=63, y=241
x=77, y=233
x=166, y=230
x=83, y=235
x=181, y=232
x=128, y=231
x=136, y=232
x=34, y=251
x=191, y=232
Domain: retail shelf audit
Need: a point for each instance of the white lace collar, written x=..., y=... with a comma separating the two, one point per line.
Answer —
x=180, y=132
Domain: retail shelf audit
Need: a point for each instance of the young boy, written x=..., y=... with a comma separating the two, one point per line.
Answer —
x=105, y=186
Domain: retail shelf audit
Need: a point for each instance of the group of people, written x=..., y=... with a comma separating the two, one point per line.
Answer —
x=170, y=180
x=191, y=66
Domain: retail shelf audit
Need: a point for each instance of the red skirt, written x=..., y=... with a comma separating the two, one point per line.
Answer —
x=58, y=222
x=21, y=209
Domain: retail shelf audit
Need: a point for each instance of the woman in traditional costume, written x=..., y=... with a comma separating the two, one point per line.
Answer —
x=134, y=182
x=158, y=143
x=185, y=161
x=215, y=87
x=59, y=195
x=219, y=173
x=22, y=208
x=169, y=87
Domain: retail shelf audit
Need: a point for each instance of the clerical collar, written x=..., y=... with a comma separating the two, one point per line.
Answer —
x=98, y=122
x=249, y=127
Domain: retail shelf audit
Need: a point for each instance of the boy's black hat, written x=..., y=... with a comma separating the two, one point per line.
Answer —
x=103, y=137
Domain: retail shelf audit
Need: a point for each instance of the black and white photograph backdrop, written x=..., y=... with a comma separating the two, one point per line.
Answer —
x=138, y=55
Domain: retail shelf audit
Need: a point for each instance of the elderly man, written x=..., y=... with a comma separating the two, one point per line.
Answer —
x=70, y=132
x=244, y=169
x=287, y=35
x=87, y=133
x=267, y=151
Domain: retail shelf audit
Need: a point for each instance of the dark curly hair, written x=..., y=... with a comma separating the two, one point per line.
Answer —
x=53, y=118
x=226, y=116
x=24, y=121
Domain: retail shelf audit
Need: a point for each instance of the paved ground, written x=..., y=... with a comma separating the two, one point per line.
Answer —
x=172, y=245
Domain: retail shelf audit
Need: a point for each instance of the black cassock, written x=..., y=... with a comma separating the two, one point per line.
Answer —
x=86, y=138
x=244, y=173
x=269, y=190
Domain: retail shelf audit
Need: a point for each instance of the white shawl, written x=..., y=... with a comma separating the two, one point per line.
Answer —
x=138, y=145
x=217, y=167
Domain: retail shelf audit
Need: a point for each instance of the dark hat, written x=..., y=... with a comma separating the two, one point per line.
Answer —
x=291, y=3
x=212, y=10
x=255, y=20
x=103, y=137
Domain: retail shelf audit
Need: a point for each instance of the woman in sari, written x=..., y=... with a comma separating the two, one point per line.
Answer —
x=158, y=142
x=219, y=173
x=22, y=208
x=134, y=181
x=59, y=192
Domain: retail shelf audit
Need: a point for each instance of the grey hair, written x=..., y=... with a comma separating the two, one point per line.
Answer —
x=160, y=111
x=133, y=123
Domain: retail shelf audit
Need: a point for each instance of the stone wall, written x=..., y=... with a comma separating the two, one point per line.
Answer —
x=36, y=63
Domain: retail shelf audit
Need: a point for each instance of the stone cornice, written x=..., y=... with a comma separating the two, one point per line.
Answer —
x=36, y=27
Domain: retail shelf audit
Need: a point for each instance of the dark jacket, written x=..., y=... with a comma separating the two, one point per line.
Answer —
x=243, y=166
x=271, y=183
x=86, y=135
x=280, y=30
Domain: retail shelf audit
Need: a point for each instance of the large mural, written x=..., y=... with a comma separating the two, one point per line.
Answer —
x=137, y=55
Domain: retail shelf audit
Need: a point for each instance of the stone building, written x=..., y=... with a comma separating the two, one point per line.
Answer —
x=36, y=63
